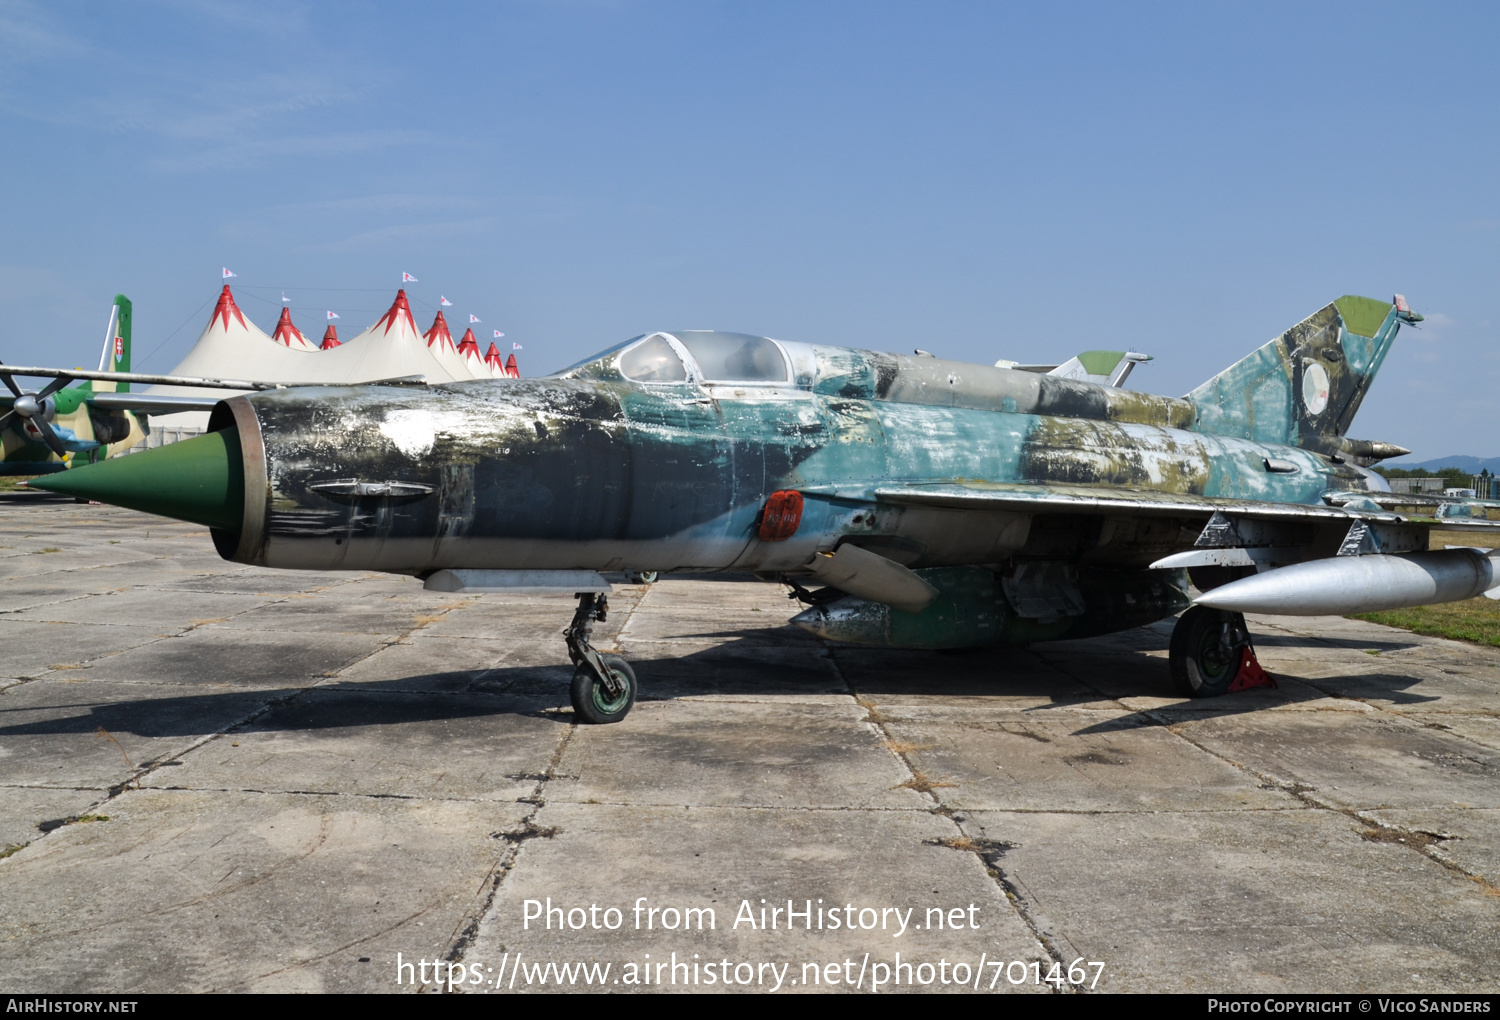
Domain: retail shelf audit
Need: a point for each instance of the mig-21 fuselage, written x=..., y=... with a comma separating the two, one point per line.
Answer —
x=940, y=504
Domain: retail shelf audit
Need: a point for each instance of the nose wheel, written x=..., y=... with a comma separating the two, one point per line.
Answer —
x=603, y=688
x=1212, y=654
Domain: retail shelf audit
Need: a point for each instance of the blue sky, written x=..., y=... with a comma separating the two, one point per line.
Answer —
x=978, y=180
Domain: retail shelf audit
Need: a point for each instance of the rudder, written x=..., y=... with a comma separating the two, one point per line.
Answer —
x=1308, y=383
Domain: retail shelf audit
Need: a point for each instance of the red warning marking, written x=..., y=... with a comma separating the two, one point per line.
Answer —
x=781, y=516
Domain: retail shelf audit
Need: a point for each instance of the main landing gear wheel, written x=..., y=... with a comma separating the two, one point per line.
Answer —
x=603, y=688
x=594, y=702
x=640, y=577
x=1206, y=651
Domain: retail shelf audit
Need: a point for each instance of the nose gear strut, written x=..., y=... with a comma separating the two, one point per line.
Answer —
x=603, y=688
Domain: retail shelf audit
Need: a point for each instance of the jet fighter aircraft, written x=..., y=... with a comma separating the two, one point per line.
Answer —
x=911, y=502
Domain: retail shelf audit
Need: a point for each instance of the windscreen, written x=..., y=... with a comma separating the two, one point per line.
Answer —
x=597, y=357
x=652, y=361
x=734, y=357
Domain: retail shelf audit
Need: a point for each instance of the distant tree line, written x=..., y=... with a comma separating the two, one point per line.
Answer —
x=1456, y=478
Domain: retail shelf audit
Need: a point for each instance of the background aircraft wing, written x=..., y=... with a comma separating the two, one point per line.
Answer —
x=70, y=374
x=152, y=404
x=163, y=403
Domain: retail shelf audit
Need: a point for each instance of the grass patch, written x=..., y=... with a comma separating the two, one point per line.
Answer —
x=922, y=783
x=58, y=823
x=960, y=843
x=8, y=851
x=1415, y=840
x=1475, y=620
x=11, y=483
x=1475, y=539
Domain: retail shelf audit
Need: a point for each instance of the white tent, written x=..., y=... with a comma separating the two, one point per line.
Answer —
x=495, y=363
x=468, y=349
x=387, y=350
x=230, y=347
x=440, y=343
x=289, y=335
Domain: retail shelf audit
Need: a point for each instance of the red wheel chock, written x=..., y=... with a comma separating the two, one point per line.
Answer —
x=1250, y=674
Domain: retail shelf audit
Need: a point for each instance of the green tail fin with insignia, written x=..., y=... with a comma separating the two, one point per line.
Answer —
x=1305, y=386
x=116, y=354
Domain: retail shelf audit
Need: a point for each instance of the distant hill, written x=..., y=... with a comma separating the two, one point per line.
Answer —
x=1470, y=465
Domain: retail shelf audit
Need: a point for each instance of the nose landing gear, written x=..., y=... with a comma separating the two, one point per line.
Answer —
x=1212, y=654
x=603, y=688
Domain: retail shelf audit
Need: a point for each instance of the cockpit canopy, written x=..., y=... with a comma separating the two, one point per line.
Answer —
x=708, y=355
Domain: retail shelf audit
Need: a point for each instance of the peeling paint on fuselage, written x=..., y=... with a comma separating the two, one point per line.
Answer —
x=593, y=471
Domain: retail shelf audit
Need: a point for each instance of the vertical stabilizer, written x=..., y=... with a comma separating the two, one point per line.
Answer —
x=1307, y=384
x=115, y=355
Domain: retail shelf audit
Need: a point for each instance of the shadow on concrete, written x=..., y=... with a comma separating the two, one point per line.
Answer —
x=1065, y=674
x=386, y=703
x=1381, y=686
x=1311, y=641
x=35, y=497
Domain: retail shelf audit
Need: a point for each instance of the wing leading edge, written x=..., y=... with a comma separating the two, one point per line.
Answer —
x=1085, y=499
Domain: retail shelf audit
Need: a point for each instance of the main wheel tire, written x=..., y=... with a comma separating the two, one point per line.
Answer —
x=640, y=576
x=1204, y=659
x=592, y=701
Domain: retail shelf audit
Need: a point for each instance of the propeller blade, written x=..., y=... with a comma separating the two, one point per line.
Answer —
x=49, y=436
x=5, y=419
x=10, y=382
x=52, y=387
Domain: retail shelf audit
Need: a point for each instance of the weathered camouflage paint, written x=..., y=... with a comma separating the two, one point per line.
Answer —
x=971, y=611
x=590, y=470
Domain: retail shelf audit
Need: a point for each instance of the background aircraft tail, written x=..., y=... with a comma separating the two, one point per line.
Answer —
x=115, y=357
x=1305, y=386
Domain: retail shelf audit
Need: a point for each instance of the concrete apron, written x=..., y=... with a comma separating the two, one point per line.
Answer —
x=311, y=781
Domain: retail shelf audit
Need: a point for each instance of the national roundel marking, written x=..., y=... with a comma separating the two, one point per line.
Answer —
x=1314, y=387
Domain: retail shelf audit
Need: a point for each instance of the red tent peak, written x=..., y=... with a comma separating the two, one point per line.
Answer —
x=468, y=343
x=225, y=306
x=511, y=369
x=400, y=309
x=493, y=359
x=286, y=333
x=439, y=334
x=330, y=338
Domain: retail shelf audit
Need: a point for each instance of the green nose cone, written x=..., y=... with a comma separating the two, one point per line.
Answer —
x=200, y=480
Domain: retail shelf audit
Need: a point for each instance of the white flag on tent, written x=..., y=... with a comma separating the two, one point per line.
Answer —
x=228, y=274
x=473, y=318
x=515, y=347
x=284, y=299
x=498, y=334
x=333, y=315
x=445, y=302
x=408, y=278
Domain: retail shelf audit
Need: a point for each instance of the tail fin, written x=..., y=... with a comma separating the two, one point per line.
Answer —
x=1306, y=385
x=115, y=357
